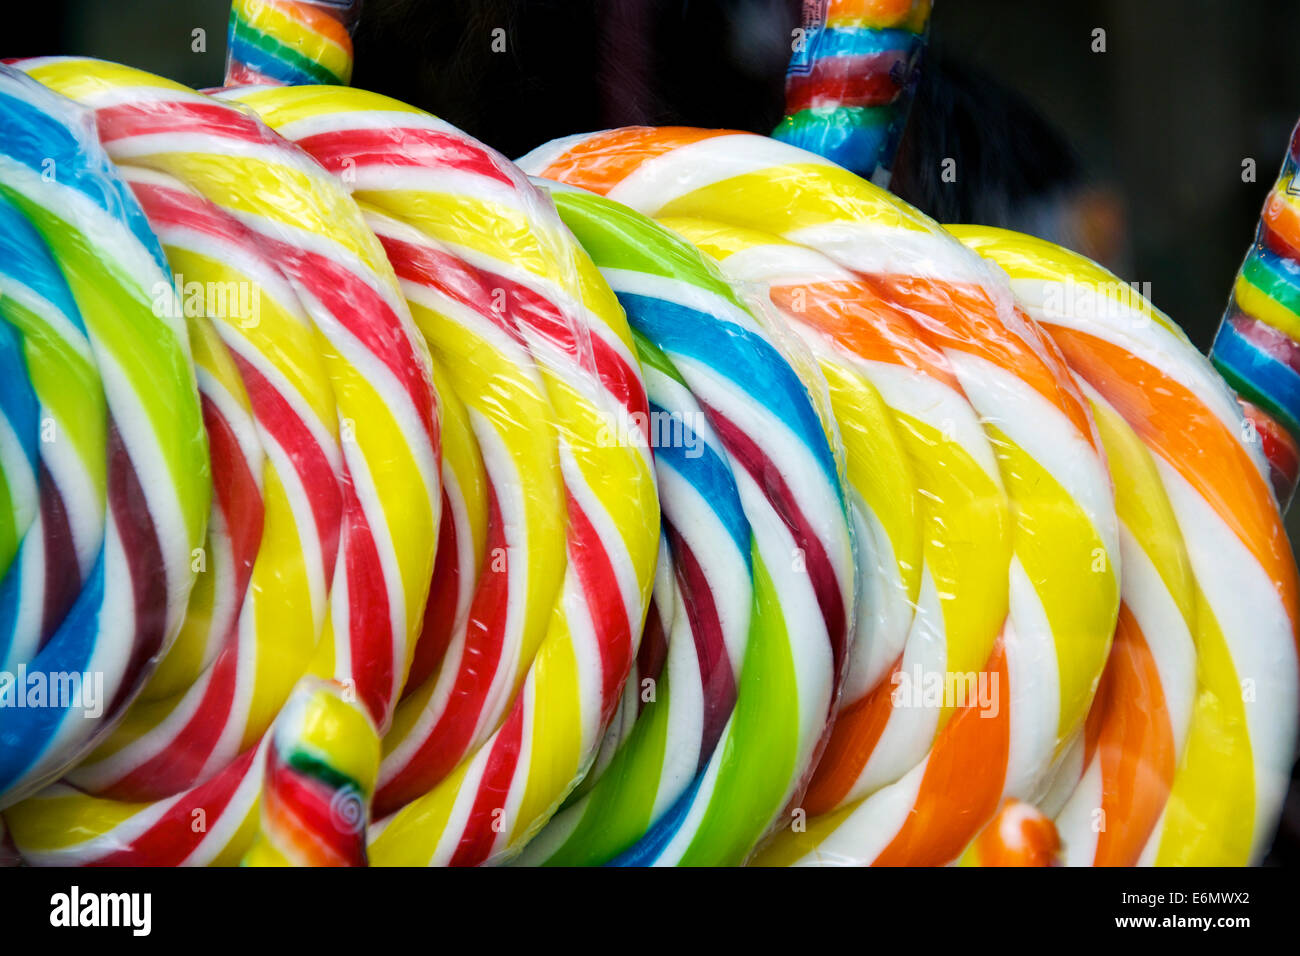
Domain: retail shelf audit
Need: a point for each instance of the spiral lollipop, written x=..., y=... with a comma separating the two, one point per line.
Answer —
x=283, y=42
x=1191, y=739
x=1062, y=597
x=321, y=765
x=349, y=477
x=851, y=80
x=107, y=482
x=759, y=540
x=538, y=350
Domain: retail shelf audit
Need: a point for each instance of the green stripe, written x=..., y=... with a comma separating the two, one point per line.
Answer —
x=147, y=350
x=759, y=750
x=1247, y=389
x=619, y=809
x=268, y=44
x=1272, y=283
x=68, y=387
x=617, y=237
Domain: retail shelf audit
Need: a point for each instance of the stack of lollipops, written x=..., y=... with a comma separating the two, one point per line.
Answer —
x=671, y=497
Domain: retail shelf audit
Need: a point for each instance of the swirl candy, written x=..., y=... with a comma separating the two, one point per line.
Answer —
x=348, y=469
x=283, y=42
x=101, y=442
x=321, y=763
x=1063, y=590
x=538, y=351
x=1257, y=348
x=850, y=82
x=1190, y=742
x=760, y=598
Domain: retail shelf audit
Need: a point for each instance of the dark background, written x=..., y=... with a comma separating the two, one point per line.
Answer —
x=1145, y=141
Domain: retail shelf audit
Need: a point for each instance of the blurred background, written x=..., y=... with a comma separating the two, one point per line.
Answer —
x=1128, y=145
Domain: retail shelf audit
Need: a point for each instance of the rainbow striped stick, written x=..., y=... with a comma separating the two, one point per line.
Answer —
x=850, y=82
x=1257, y=348
x=288, y=42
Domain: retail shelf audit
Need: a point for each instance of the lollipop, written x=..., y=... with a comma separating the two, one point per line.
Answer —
x=1257, y=348
x=850, y=82
x=760, y=598
x=890, y=800
x=104, y=460
x=282, y=42
x=321, y=765
x=1190, y=742
x=537, y=349
x=349, y=475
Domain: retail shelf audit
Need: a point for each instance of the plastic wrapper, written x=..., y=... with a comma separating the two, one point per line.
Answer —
x=104, y=482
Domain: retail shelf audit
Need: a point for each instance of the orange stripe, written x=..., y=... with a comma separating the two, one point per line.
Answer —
x=853, y=739
x=316, y=19
x=859, y=320
x=619, y=152
x=1136, y=745
x=1178, y=426
x=962, y=784
x=1282, y=218
x=963, y=318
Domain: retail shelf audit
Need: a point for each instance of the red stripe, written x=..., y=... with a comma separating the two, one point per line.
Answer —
x=652, y=654
x=145, y=564
x=177, y=833
x=453, y=733
x=174, y=117
x=370, y=626
x=440, y=611
x=62, y=575
x=593, y=353
x=852, y=81
x=343, y=150
x=430, y=267
x=600, y=587
x=302, y=808
x=310, y=463
x=493, y=791
x=717, y=678
x=355, y=305
x=821, y=573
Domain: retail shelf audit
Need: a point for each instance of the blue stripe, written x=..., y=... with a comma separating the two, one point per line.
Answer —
x=708, y=474
x=24, y=256
x=270, y=65
x=861, y=41
x=26, y=733
x=651, y=846
x=53, y=136
x=1275, y=384
x=740, y=355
